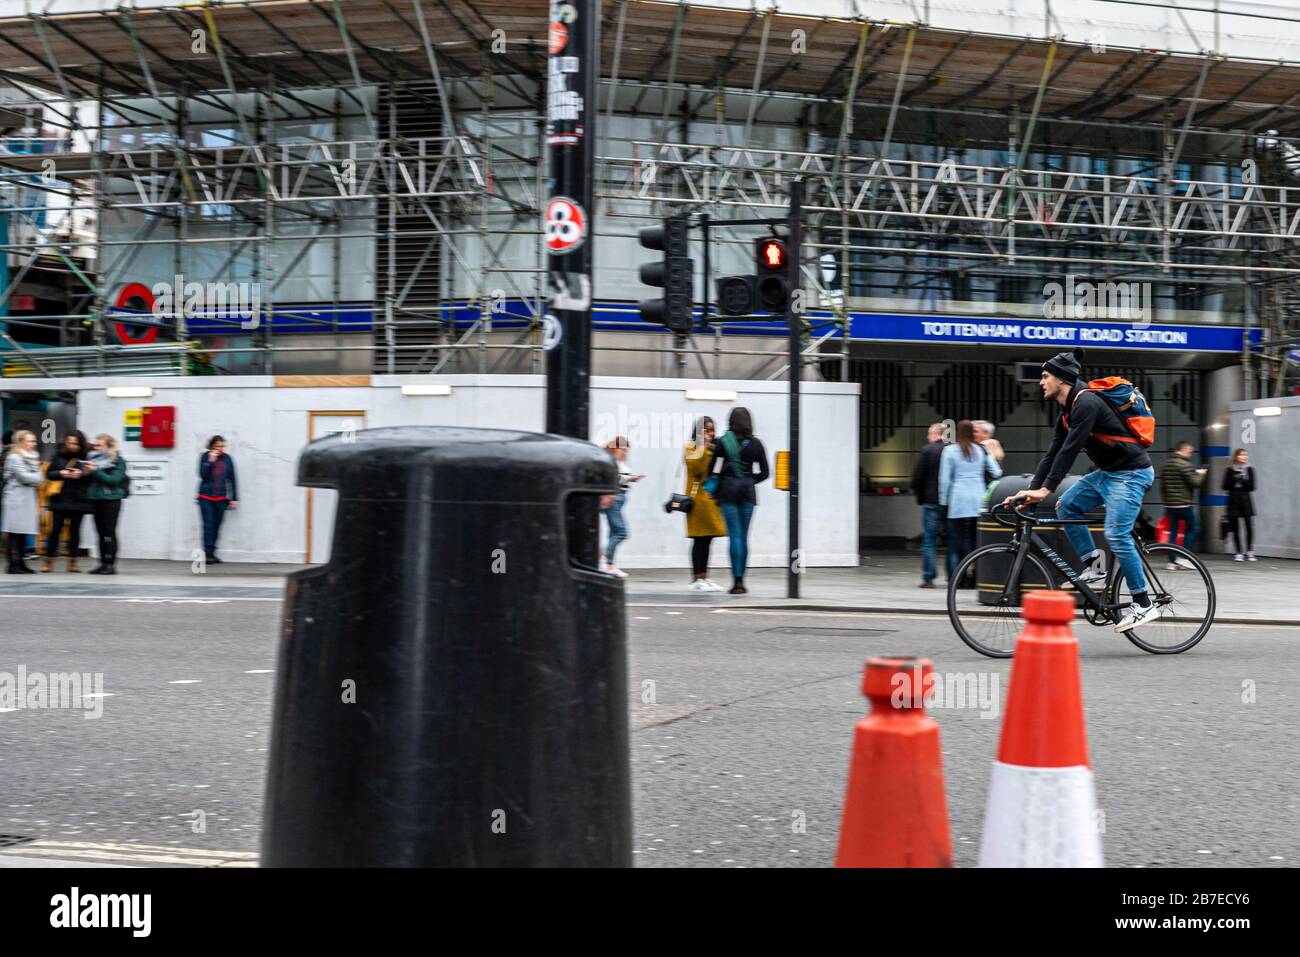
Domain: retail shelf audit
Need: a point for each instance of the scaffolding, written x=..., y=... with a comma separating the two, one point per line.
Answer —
x=396, y=148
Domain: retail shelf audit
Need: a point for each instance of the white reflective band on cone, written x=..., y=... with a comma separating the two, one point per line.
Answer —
x=1041, y=817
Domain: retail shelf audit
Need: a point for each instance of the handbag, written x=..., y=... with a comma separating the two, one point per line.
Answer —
x=677, y=502
x=53, y=487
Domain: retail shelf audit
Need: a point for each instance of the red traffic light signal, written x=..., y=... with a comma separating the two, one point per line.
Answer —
x=771, y=254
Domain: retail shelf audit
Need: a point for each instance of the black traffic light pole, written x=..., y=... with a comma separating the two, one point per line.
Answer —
x=794, y=323
x=571, y=142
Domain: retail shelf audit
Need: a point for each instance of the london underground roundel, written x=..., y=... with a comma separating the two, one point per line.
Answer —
x=134, y=298
x=566, y=225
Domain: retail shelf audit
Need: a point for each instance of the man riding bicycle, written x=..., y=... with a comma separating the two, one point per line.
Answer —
x=1123, y=475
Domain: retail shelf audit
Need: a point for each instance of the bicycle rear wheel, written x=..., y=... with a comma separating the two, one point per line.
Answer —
x=987, y=617
x=1187, y=597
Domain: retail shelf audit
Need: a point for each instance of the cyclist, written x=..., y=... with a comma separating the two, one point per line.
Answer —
x=1123, y=475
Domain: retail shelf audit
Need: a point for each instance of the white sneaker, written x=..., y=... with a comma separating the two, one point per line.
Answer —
x=1250, y=557
x=1239, y=557
x=611, y=570
x=1171, y=567
x=713, y=586
x=1138, y=615
x=1184, y=563
x=700, y=585
x=1092, y=577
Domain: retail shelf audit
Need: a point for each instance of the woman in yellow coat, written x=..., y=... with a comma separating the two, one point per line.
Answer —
x=703, y=522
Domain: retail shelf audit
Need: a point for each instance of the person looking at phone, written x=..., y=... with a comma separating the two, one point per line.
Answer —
x=70, y=505
x=217, y=493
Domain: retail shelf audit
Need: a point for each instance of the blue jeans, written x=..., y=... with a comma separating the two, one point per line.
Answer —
x=931, y=519
x=1121, y=493
x=212, y=513
x=737, y=516
x=1187, y=515
x=617, y=527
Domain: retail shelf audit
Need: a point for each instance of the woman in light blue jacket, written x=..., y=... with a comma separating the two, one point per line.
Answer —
x=965, y=470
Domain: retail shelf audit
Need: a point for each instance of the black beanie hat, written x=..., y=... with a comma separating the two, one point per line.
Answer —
x=1066, y=366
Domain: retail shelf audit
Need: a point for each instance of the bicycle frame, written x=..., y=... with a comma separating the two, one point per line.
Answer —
x=1025, y=537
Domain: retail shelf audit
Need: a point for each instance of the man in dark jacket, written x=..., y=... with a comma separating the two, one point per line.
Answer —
x=1086, y=422
x=925, y=486
x=1179, y=480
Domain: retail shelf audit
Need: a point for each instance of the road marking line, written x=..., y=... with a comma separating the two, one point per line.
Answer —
x=261, y=671
x=137, y=853
x=185, y=681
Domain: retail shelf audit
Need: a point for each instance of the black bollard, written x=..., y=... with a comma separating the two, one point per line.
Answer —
x=452, y=685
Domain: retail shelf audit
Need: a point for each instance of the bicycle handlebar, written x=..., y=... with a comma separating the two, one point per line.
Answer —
x=1001, y=520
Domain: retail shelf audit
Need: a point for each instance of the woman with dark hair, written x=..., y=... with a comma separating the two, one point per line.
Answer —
x=740, y=464
x=704, y=521
x=107, y=489
x=962, y=468
x=70, y=505
x=217, y=492
x=1239, y=482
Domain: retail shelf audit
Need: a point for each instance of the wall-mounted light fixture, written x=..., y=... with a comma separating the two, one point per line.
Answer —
x=711, y=395
x=426, y=388
x=128, y=392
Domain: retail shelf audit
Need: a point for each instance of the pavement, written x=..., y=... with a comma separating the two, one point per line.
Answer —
x=749, y=727
x=1262, y=592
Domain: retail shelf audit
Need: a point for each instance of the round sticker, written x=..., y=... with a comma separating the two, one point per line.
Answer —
x=135, y=297
x=552, y=332
x=558, y=38
x=566, y=225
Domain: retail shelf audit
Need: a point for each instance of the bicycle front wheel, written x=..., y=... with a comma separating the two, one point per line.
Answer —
x=987, y=616
x=1186, y=597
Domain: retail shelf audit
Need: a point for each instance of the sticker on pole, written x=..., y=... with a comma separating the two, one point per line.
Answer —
x=566, y=225
x=558, y=38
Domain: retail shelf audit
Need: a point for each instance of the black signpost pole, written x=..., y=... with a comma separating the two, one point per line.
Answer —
x=571, y=108
x=794, y=323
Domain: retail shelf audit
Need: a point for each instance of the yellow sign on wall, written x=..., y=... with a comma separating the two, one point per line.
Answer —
x=783, y=471
x=132, y=420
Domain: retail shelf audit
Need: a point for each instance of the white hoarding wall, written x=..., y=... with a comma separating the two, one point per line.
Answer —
x=266, y=427
x=1273, y=441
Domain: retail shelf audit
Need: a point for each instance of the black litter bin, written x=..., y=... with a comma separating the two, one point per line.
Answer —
x=993, y=570
x=452, y=686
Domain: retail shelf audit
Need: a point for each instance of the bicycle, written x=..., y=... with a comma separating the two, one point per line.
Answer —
x=990, y=625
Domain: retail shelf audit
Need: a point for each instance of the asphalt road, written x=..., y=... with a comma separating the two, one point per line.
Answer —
x=748, y=732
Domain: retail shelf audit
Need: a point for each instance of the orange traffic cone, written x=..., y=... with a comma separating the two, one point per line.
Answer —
x=1042, y=809
x=895, y=814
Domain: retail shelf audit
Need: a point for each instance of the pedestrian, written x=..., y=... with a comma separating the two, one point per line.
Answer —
x=69, y=505
x=925, y=486
x=22, y=476
x=740, y=463
x=984, y=436
x=965, y=469
x=1179, y=481
x=704, y=521
x=217, y=492
x=108, y=487
x=613, y=506
x=1239, y=482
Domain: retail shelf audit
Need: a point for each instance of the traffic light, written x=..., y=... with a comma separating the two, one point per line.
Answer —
x=766, y=290
x=736, y=295
x=773, y=270
x=676, y=274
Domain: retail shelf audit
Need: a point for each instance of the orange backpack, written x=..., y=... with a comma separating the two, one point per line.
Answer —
x=1129, y=404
